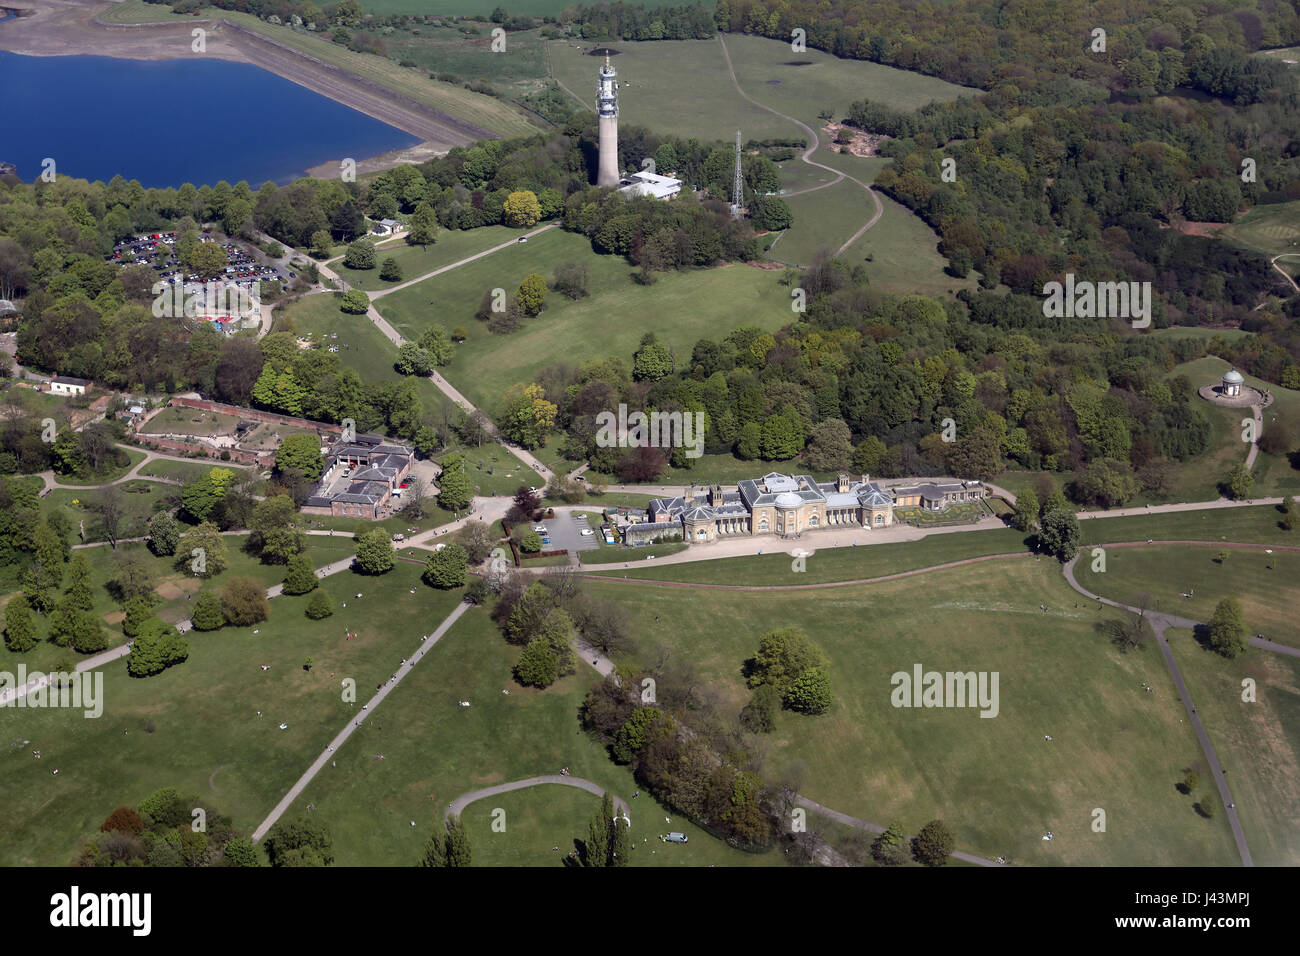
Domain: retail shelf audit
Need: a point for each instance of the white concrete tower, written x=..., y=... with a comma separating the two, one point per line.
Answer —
x=607, y=111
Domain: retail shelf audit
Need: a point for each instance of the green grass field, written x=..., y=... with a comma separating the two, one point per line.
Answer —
x=140, y=499
x=618, y=554
x=494, y=470
x=997, y=782
x=452, y=246
x=185, y=470
x=900, y=251
x=766, y=72
x=1258, y=743
x=246, y=766
x=680, y=308
x=435, y=750
x=137, y=11
x=1252, y=524
x=1273, y=229
x=178, y=420
x=362, y=347
x=1267, y=585
x=1274, y=475
x=112, y=473
x=518, y=69
x=489, y=113
x=834, y=564
x=654, y=76
x=171, y=587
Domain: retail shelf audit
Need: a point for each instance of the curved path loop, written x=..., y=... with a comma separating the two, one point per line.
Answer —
x=814, y=145
x=1287, y=275
x=1159, y=624
x=465, y=799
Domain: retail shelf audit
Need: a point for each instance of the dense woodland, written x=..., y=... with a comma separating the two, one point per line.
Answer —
x=865, y=382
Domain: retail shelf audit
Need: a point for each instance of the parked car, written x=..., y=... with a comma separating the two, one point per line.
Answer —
x=586, y=532
x=676, y=838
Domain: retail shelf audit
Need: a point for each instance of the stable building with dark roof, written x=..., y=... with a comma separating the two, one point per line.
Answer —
x=361, y=479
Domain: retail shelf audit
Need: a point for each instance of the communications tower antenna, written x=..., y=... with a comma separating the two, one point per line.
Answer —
x=737, y=190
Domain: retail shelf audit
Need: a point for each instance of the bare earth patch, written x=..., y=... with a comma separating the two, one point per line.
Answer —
x=863, y=144
x=171, y=590
x=1199, y=228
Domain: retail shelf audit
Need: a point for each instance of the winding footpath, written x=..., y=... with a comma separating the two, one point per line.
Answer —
x=455, y=808
x=814, y=145
x=1161, y=622
x=1285, y=274
x=870, y=827
x=390, y=333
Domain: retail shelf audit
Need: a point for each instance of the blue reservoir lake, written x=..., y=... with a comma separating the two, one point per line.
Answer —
x=169, y=122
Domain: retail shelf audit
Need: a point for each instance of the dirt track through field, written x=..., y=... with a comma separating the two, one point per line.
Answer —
x=813, y=144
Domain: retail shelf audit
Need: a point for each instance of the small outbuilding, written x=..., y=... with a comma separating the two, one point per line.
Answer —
x=66, y=385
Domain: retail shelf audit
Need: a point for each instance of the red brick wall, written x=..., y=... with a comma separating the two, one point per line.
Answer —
x=184, y=447
x=256, y=415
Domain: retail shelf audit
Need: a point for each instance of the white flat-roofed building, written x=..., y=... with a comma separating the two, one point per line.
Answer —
x=650, y=184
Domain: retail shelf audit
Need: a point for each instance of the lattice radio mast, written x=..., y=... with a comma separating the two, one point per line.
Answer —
x=737, y=189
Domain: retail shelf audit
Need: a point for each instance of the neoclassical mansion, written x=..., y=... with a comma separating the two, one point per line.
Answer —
x=791, y=504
